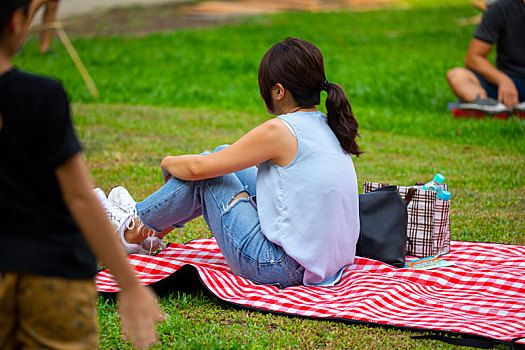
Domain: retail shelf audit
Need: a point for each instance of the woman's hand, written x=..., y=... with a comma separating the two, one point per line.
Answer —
x=166, y=175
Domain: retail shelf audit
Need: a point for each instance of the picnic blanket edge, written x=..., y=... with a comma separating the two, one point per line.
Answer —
x=188, y=279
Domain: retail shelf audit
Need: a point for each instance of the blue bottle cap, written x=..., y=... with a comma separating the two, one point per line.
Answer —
x=445, y=195
x=439, y=178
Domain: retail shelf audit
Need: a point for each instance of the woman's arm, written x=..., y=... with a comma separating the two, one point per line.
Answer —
x=476, y=59
x=271, y=140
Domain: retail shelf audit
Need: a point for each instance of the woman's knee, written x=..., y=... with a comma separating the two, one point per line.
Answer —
x=243, y=194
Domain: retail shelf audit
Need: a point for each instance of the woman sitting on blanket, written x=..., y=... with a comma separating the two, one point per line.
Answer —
x=294, y=219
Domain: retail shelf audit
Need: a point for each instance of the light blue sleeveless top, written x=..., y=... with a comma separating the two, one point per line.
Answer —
x=310, y=207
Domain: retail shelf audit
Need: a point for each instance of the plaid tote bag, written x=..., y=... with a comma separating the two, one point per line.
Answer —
x=428, y=229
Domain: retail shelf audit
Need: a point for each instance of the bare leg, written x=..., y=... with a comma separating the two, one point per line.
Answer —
x=480, y=5
x=465, y=84
x=49, y=16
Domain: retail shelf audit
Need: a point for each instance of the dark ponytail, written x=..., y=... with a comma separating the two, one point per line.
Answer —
x=341, y=119
x=298, y=66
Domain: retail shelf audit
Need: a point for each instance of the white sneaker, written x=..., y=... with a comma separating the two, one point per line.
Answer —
x=120, y=220
x=121, y=197
x=100, y=195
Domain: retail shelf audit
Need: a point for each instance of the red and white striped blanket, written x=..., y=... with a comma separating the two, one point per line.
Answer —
x=483, y=294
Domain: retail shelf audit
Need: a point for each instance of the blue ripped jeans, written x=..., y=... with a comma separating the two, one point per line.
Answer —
x=236, y=227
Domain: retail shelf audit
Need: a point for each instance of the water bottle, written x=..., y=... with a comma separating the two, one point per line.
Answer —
x=437, y=186
x=444, y=195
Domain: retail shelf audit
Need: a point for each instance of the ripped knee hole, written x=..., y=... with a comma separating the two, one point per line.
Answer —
x=243, y=194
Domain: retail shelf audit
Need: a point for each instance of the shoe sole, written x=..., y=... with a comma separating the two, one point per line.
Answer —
x=467, y=113
x=519, y=114
x=488, y=109
x=475, y=113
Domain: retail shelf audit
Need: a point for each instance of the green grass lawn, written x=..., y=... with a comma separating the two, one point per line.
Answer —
x=190, y=90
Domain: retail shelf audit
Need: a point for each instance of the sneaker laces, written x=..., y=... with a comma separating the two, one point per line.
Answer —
x=151, y=245
x=151, y=241
x=129, y=223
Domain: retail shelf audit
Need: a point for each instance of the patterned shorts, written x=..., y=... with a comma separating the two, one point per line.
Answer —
x=47, y=312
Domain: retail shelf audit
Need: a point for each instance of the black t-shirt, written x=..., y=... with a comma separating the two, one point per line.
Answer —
x=37, y=232
x=504, y=24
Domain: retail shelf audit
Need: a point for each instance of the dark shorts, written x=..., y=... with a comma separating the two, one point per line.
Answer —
x=40, y=312
x=492, y=89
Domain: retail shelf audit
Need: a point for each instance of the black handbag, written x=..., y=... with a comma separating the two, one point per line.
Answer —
x=383, y=219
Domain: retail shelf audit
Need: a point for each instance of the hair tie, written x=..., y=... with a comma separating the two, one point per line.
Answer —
x=325, y=85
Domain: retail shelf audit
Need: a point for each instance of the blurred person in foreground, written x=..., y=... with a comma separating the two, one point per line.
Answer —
x=51, y=221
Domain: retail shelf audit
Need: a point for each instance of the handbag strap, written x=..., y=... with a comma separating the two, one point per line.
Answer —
x=409, y=195
x=411, y=192
x=410, y=246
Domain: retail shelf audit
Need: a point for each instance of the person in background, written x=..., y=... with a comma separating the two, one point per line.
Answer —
x=49, y=16
x=482, y=86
